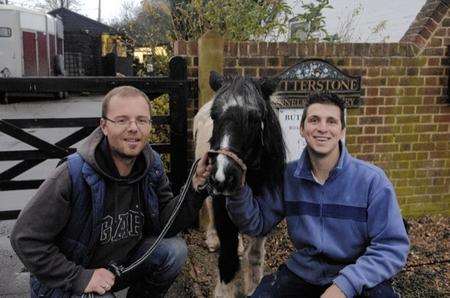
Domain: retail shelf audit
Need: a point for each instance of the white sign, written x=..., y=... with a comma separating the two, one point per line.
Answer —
x=290, y=126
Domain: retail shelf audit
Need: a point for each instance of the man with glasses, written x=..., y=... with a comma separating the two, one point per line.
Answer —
x=106, y=203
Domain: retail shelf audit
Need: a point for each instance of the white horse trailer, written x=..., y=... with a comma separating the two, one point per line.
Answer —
x=31, y=43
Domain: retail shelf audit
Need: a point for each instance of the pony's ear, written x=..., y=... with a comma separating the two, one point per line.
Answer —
x=268, y=85
x=215, y=80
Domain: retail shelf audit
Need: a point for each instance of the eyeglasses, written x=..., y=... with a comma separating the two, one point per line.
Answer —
x=123, y=122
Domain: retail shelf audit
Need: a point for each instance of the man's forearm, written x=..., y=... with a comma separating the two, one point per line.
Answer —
x=255, y=216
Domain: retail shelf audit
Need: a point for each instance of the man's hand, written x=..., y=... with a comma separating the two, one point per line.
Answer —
x=333, y=291
x=101, y=281
x=202, y=173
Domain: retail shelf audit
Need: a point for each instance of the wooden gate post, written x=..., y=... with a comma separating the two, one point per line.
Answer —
x=210, y=57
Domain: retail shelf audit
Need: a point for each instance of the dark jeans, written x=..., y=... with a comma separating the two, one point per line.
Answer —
x=154, y=277
x=284, y=283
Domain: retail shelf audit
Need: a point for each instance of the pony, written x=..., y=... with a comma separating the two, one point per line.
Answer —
x=246, y=145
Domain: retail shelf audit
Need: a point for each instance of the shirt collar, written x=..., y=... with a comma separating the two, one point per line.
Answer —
x=303, y=169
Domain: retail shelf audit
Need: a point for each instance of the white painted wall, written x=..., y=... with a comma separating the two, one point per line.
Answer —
x=11, y=47
x=19, y=20
x=51, y=25
x=33, y=22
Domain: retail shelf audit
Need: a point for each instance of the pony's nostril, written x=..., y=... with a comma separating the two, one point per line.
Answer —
x=212, y=180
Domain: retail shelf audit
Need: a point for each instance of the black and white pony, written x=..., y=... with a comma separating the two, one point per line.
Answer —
x=246, y=141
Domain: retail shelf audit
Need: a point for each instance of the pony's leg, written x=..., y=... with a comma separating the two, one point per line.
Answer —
x=212, y=241
x=253, y=264
x=241, y=248
x=228, y=255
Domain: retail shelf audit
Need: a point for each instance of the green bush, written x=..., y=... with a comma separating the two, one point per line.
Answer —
x=160, y=134
x=160, y=105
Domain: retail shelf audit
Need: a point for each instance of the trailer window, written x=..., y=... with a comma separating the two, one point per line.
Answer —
x=5, y=32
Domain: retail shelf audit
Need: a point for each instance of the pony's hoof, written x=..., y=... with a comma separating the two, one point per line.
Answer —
x=223, y=290
x=213, y=248
x=212, y=242
x=241, y=248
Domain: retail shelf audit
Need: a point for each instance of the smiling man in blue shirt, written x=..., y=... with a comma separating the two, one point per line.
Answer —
x=342, y=215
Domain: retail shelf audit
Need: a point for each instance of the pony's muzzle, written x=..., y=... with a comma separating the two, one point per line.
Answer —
x=227, y=175
x=223, y=188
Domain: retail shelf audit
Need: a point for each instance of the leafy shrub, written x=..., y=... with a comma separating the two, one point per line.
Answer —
x=160, y=134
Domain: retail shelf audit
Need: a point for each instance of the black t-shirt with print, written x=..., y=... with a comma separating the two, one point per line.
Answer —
x=123, y=220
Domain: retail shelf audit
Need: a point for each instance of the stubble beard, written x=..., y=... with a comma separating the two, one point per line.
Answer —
x=126, y=158
x=319, y=155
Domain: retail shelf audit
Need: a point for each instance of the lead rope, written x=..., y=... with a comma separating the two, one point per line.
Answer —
x=119, y=270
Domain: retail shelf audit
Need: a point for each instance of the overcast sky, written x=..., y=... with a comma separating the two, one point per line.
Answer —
x=110, y=8
x=398, y=15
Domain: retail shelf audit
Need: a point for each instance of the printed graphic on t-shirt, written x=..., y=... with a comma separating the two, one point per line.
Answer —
x=124, y=226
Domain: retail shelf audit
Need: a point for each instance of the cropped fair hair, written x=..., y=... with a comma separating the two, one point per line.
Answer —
x=123, y=91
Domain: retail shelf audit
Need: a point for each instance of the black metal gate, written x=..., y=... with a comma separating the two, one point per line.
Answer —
x=176, y=85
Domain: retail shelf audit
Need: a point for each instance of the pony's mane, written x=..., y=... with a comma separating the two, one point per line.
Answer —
x=245, y=94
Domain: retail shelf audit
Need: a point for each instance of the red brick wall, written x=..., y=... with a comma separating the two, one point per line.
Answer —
x=403, y=125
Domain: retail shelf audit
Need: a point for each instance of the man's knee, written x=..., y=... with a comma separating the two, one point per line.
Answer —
x=173, y=254
x=177, y=249
x=265, y=287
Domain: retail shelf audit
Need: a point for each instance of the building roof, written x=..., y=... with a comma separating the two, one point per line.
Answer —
x=74, y=22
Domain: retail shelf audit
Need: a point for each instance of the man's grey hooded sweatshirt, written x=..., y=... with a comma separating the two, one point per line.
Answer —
x=45, y=216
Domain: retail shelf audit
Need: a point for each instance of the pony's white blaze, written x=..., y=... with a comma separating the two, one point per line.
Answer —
x=221, y=160
x=221, y=163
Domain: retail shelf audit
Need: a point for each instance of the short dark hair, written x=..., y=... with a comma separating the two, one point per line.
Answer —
x=123, y=91
x=324, y=98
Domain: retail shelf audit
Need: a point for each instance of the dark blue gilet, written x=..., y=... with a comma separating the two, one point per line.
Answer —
x=78, y=238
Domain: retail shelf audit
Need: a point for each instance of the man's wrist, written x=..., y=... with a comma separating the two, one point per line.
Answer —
x=82, y=279
x=345, y=286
